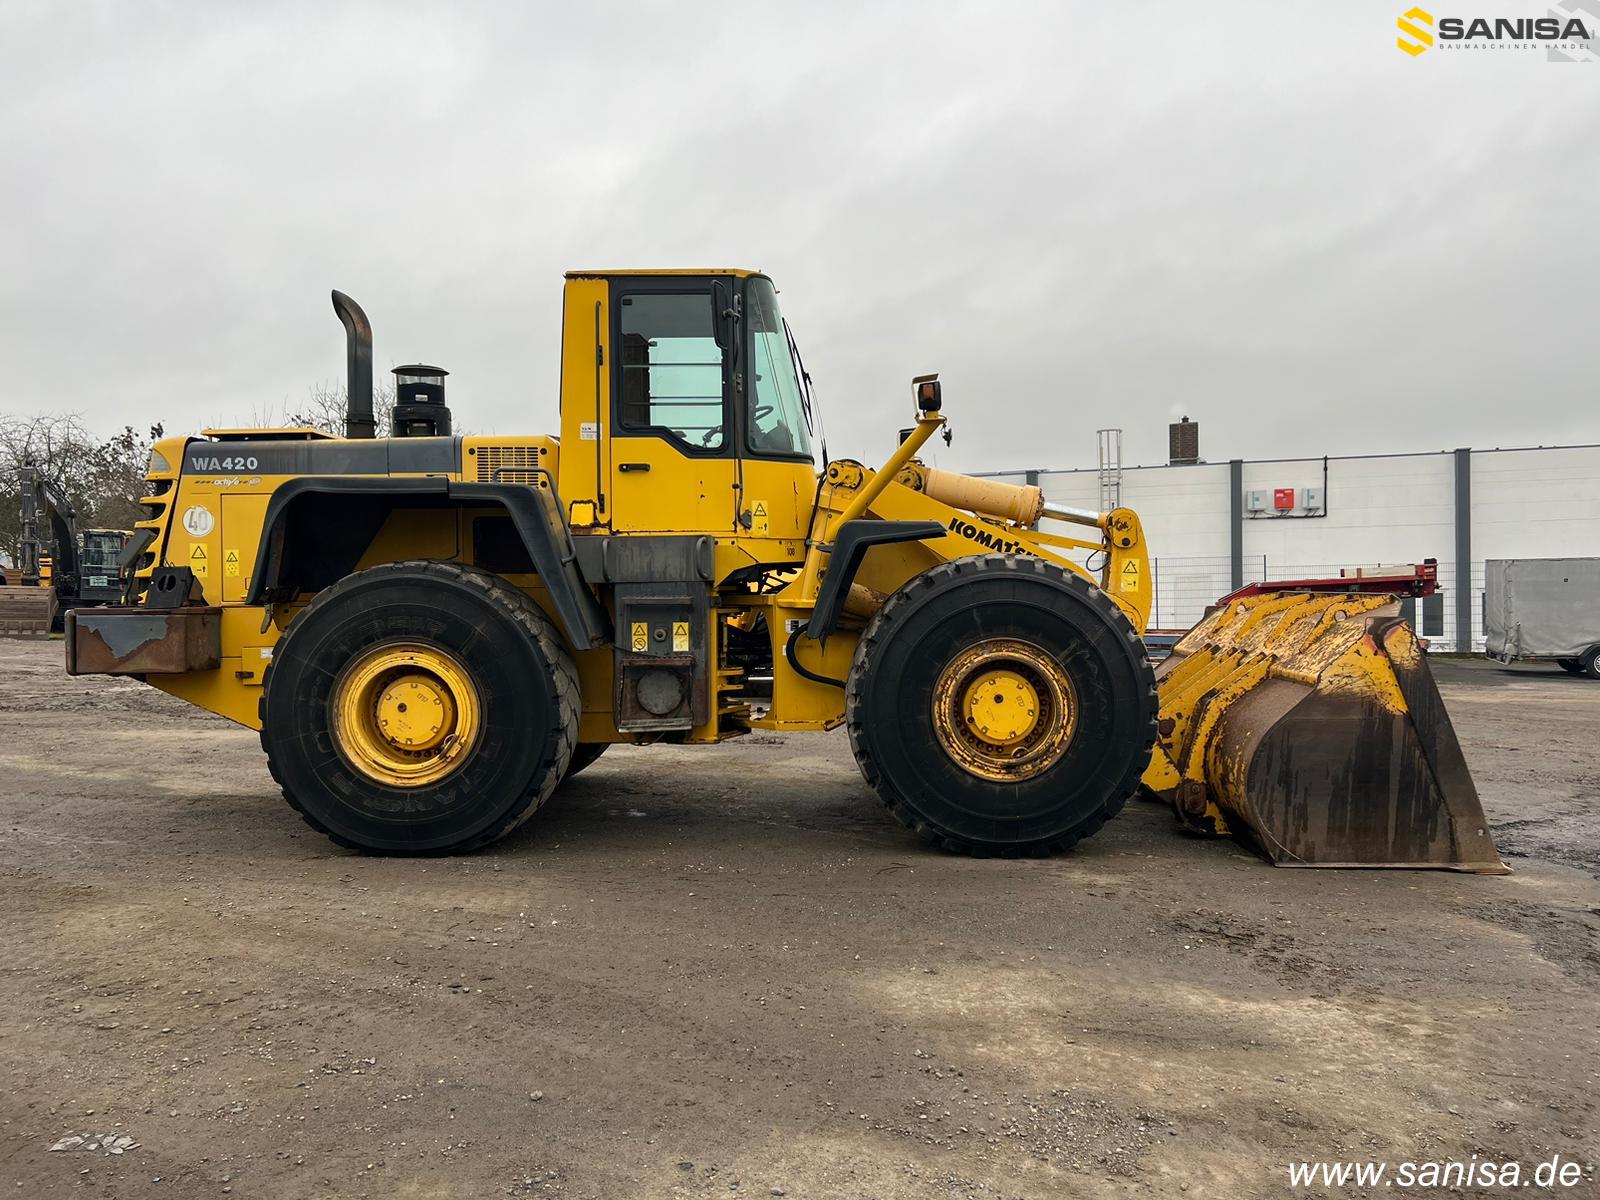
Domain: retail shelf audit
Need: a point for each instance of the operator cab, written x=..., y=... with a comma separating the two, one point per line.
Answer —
x=709, y=364
x=695, y=399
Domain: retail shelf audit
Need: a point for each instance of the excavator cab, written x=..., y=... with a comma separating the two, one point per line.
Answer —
x=99, y=571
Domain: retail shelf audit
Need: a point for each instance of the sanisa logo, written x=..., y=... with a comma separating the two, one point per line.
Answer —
x=1566, y=31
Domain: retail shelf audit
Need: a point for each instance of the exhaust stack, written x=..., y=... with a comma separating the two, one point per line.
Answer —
x=358, y=422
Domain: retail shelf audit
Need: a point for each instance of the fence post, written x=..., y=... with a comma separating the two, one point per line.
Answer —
x=1464, y=551
x=1236, y=522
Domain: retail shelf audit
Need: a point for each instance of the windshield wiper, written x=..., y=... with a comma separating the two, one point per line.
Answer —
x=808, y=406
x=805, y=377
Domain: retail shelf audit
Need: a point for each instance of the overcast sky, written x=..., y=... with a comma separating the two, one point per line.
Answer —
x=1266, y=217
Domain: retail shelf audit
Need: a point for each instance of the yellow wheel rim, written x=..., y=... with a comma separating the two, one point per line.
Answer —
x=1004, y=710
x=405, y=714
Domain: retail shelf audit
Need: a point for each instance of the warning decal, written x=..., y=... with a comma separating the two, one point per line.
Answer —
x=230, y=563
x=197, y=560
x=760, y=521
x=680, y=637
x=641, y=636
x=1130, y=576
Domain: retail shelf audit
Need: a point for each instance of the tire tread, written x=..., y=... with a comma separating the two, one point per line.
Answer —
x=518, y=608
x=882, y=627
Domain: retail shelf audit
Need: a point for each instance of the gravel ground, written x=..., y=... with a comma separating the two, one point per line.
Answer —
x=726, y=972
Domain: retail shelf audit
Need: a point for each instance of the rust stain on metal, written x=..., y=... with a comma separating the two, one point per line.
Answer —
x=142, y=641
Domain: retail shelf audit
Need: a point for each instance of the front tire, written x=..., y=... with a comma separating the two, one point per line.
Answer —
x=1001, y=704
x=419, y=708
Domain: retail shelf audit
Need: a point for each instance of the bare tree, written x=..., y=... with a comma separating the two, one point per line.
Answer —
x=115, y=479
x=102, y=477
x=325, y=406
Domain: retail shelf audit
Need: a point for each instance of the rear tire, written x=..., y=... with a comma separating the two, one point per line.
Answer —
x=965, y=632
x=584, y=755
x=1591, y=663
x=489, y=740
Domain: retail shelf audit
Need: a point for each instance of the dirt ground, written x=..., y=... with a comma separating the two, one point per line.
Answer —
x=727, y=972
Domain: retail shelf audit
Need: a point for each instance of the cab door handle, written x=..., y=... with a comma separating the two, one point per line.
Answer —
x=626, y=467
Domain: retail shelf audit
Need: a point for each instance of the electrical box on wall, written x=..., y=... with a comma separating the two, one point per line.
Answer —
x=1285, y=502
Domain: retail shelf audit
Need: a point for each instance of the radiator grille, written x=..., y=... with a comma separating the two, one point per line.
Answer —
x=509, y=464
x=155, y=502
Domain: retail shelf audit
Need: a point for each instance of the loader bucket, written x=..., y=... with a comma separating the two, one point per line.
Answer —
x=1310, y=726
x=27, y=611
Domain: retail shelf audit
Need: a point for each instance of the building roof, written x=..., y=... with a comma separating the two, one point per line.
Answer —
x=1284, y=458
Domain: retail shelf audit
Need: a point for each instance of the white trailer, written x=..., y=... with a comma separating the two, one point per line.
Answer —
x=1543, y=609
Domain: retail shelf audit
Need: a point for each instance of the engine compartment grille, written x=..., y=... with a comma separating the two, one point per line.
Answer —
x=510, y=464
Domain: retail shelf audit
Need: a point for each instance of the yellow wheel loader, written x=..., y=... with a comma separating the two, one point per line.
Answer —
x=432, y=631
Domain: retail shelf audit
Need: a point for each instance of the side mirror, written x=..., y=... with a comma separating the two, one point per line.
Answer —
x=728, y=311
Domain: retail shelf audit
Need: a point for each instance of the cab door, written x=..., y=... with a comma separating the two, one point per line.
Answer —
x=674, y=464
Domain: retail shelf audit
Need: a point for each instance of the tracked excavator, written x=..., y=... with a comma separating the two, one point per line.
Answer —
x=60, y=566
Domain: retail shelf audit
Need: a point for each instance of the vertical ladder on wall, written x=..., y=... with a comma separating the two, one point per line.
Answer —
x=1110, y=469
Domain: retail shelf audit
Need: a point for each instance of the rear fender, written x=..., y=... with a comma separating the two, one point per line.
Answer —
x=316, y=530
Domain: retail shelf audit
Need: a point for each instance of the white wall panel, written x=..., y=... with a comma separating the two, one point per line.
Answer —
x=1526, y=503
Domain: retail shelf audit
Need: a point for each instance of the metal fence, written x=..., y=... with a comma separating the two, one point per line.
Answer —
x=1184, y=587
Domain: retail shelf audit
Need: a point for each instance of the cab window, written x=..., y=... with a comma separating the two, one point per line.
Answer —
x=777, y=421
x=100, y=551
x=672, y=368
